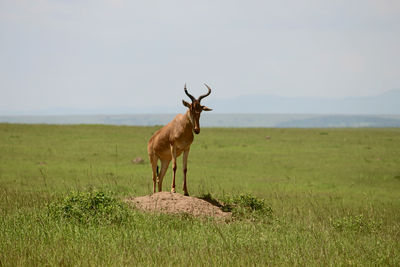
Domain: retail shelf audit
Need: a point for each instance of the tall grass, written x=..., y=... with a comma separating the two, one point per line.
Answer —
x=300, y=197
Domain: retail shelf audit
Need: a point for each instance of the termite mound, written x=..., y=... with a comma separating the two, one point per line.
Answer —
x=175, y=203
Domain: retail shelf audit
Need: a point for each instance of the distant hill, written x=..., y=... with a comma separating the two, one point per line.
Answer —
x=327, y=121
x=387, y=103
x=384, y=104
x=221, y=120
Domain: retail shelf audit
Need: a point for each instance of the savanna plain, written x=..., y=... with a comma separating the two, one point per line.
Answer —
x=309, y=197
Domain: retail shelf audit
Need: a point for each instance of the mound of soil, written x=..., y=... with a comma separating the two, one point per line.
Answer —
x=167, y=202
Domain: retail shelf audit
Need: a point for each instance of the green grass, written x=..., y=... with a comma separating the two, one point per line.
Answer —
x=307, y=197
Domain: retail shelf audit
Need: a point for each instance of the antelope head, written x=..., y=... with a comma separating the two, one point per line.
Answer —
x=195, y=108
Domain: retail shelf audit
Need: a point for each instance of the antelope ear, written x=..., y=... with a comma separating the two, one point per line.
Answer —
x=206, y=108
x=186, y=104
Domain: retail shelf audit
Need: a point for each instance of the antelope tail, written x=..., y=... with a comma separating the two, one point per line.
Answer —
x=157, y=171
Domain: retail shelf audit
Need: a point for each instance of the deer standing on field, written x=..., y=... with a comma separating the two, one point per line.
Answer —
x=169, y=142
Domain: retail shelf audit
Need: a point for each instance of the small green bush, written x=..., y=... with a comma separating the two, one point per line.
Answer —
x=210, y=199
x=247, y=206
x=94, y=206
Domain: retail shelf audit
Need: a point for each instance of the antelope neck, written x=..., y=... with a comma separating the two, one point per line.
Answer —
x=190, y=119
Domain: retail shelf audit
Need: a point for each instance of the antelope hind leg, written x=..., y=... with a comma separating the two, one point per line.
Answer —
x=164, y=168
x=154, y=168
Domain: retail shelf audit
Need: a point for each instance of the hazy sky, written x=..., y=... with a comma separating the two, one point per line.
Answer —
x=102, y=54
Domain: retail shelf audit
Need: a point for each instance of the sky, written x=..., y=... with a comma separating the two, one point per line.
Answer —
x=91, y=55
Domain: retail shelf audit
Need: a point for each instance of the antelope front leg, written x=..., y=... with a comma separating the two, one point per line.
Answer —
x=173, y=154
x=185, y=158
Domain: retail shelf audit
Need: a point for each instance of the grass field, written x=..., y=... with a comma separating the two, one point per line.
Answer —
x=334, y=196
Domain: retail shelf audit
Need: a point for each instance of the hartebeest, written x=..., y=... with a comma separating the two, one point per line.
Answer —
x=174, y=138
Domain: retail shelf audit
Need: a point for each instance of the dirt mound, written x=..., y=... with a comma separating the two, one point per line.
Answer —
x=167, y=202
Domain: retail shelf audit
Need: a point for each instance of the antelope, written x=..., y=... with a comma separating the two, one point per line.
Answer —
x=170, y=141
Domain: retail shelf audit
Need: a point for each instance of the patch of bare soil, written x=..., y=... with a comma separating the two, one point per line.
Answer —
x=174, y=203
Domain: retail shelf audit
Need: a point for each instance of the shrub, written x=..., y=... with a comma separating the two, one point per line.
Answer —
x=247, y=206
x=210, y=199
x=96, y=207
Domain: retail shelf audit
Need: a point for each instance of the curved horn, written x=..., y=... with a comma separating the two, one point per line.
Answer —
x=209, y=92
x=189, y=95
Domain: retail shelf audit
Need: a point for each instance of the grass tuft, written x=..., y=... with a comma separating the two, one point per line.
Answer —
x=358, y=223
